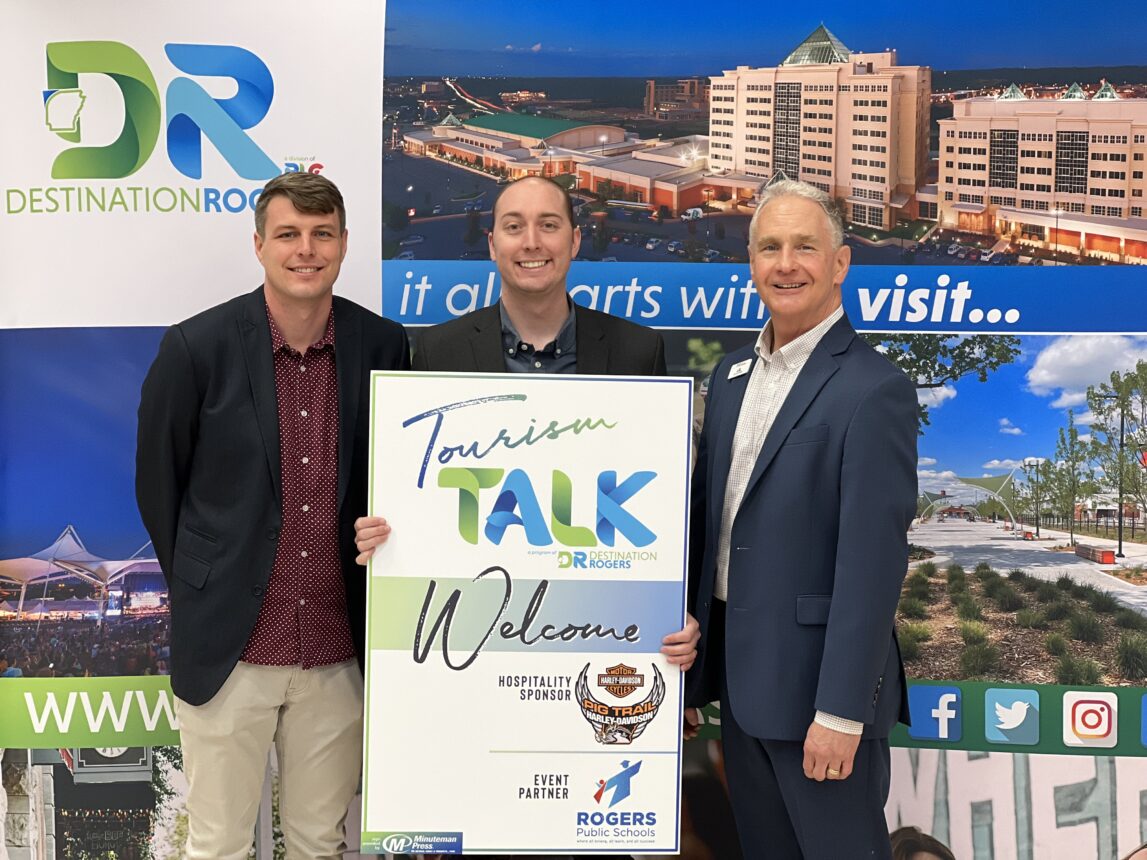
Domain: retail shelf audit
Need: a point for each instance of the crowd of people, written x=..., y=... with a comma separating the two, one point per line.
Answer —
x=83, y=649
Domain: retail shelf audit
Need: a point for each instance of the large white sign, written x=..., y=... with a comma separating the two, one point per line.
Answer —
x=516, y=699
x=137, y=136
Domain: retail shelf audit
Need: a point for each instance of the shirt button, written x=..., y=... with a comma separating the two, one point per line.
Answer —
x=257, y=590
x=537, y=364
x=306, y=460
x=510, y=350
x=302, y=368
x=557, y=352
x=303, y=553
x=304, y=413
x=272, y=534
x=306, y=508
x=303, y=602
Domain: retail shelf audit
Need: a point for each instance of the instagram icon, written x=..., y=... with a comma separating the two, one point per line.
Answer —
x=1090, y=719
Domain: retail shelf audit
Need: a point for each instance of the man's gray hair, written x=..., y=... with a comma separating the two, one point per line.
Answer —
x=791, y=187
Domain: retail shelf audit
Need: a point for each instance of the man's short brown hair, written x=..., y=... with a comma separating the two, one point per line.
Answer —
x=549, y=181
x=310, y=193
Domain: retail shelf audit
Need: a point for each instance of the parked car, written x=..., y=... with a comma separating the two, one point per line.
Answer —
x=974, y=254
x=437, y=210
x=927, y=248
x=962, y=254
x=609, y=259
x=412, y=239
x=674, y=246
x=986, y=256
x=653, y=244
x=711, y=256
x=404, y=255
x=953, y=249
x=694, y=214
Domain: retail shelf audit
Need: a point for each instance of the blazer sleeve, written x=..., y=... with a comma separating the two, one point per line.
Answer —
x=165, y=442
x=877, y=504
x=659, y=367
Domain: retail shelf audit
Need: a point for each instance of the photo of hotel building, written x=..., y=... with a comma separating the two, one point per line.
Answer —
x=1063, y=173
x=853, y=124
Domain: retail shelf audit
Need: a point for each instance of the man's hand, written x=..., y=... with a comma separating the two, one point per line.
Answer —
x=369, y=532
x=828, y=754
x=692, y=725
x=680, y=648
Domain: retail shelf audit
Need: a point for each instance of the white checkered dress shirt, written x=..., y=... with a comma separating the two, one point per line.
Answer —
x=769, y=384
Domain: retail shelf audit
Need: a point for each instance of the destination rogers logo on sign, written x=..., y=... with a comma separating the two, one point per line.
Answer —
x=619, y=724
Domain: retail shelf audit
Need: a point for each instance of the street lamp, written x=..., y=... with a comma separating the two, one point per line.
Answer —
x=1035, y=462
x=602, y=141
x=1056, y=212
x=1119, y=500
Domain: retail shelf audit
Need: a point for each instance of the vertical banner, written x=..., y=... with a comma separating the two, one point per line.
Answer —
x=136, y=143
x=516, y=613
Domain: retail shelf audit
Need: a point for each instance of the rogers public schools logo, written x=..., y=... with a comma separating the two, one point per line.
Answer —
x=619, y=724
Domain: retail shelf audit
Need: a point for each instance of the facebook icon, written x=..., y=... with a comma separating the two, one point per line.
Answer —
x=935, y=711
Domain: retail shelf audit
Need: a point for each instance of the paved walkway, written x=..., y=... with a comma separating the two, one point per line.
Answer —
x=968, y=544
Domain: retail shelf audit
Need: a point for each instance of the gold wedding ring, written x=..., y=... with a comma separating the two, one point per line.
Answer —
x=833, y=772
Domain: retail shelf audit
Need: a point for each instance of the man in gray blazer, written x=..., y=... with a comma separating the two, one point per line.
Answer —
x=804, y=488
x=251, y=463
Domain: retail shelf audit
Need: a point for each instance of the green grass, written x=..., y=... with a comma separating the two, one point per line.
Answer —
x=993, y=584
x=1073, y=671
x=1007, y=598
x=1046, y=592
x=1058, y=610
x=1129, y=619
x=982, y=570
x=1103, y=601
x=1017, y=576
x=955, y=572
x=913, y=607
x=967, y=609
x=910, y=635
x=1065, y=583
x=918, y=585
x=973, y=632
x=1056, y=645
x=978, y=660
x=1032, y=619
x=1085, y=627
x=928, y=568
x=1131, y=656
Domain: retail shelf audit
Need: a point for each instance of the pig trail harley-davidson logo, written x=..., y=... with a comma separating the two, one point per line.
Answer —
x=619, y=724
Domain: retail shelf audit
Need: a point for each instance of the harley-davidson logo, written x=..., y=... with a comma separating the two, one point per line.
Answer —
x=619, y=724
x=620, y=680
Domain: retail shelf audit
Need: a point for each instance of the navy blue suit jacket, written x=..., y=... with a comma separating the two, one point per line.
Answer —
x=819, y=546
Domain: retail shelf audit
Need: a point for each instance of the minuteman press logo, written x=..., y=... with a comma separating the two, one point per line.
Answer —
x=192, y=114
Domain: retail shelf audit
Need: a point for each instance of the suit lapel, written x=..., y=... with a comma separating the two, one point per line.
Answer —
x=722, y=441
x=819, y=368
x=486, y=340
x=592, y=346
x=349, y=370
x=255, y=333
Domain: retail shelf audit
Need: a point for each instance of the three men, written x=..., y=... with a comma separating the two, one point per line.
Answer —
x=251, y=464
x=804, y=488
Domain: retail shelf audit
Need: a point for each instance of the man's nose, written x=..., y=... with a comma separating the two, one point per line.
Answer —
x=533, y=236
x=306, y=246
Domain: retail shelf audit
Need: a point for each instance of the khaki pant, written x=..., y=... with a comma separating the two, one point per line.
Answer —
x=314, y=719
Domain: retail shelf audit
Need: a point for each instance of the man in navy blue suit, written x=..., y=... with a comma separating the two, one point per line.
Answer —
x=804, y=489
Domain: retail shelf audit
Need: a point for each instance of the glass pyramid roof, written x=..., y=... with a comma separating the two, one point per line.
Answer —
x=1106, y=92
x=821, y=46
x=1012, y=93
x=1075, y=91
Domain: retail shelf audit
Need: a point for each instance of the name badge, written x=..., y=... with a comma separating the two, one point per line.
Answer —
x=740, y=368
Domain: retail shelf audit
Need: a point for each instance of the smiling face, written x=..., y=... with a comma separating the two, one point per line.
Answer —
x=533, y=240
x=301, y=254
x=795, y=267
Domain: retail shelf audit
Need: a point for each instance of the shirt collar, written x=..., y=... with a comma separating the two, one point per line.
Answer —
x=796, y=352
x=278, y=342
x=563, y=344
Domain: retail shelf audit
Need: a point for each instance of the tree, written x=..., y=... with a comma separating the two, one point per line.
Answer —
x=1037, y=472
x=1123, y=397
x=703, y=354
x=395, y=217
x=1071, y=476
x=934, y=360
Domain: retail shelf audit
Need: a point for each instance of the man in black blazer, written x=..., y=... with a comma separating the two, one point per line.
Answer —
x=535, y=326
x=250, y=466
x=804, y=488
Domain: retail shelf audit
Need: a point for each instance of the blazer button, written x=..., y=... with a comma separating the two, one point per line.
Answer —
x=272, y=534
x=257, y=590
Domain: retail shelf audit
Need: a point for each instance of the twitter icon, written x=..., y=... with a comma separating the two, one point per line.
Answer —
x=1011, y=716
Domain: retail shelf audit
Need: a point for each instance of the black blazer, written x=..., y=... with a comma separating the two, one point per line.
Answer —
x=208, y=478
x=606, y=345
